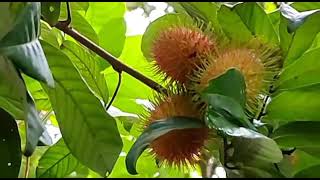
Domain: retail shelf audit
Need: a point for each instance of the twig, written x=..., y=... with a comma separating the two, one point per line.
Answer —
x=115, y=92
x=26, y=173
x=115, y=63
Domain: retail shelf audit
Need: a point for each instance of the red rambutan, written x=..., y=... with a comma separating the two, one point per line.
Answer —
x=178, y=50
x=178, y=147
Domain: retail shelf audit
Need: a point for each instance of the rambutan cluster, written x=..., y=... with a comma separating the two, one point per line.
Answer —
x=191, y=58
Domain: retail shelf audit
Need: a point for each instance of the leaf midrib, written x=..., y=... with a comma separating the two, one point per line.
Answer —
x=61, y=159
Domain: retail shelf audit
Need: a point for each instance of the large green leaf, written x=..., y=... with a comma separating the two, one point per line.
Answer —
x=267, y=170
x=228, y=99
x=16, y=101
x=50, y=12
x=39, y=96
x=297, y=31
x=12, y=89
x=252, y=148
x=57, y=162
x=298, y=134
x=80, y=24
x=155, y=27
x=232, y=25
x=275, y=20
x=75, y=6
x=52, y=36
x=243, y=20
x=10, y=146
x=82, y=116
x=112, y=36
x=23, y=48
x=34, y=126
x=305, y=6
x=206, y=11
x=152, y=132
x=230, y=84
x=99, y=13
x=146, y=165
x=297, y=162
x=303, y=72
x=9, y=11
x=296, y=105
x=311, y=172
x=88, y=67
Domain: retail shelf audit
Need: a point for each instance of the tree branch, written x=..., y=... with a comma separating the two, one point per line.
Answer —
x=115, y=63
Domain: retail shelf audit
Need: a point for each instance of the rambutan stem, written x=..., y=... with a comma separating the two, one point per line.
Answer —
x=115, y=63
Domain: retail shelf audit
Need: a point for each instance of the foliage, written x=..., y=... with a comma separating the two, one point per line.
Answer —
x=48, y=79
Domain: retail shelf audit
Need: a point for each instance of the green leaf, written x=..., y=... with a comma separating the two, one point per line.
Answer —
x=34, y=126
x=311, y=172
x=230, y=84
x=79, y=23
x=15, y=100
x=296, y=105
x=21, y=45
x=155, y=130
x=252, y=148
x=113, y=40
x=52, y=36
x=12, y=89
x=305, y=6
x=39, y=96
x=298, y=134
x=75, y=6
x=88, y=68
x=155, y=27
x=253, y=172
x=81, y=116
x=50, y=12
x=56, y=162
x=297, y=31
x=145, y=165
x=99, y=13
x=10, y=146
x=303, y=72
x=128, y=121
x=206, y=11
x=228, y=99
x=9, y=11
x=297, y=162
x=232, y=25
x=275, y=20
x=227, y=108
x=245, y=20
x=80, y=5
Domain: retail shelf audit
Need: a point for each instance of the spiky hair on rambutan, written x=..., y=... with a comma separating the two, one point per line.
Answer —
x=177, y=148
x=257, y=62
x=178, y=49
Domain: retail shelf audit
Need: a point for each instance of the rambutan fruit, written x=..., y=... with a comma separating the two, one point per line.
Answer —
x=177, y=51
x=178, y=148
x=257, y=63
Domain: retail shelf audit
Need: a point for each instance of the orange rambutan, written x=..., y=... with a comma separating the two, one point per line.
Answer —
x=257, y=63
x=178, y=50
x=177, y=147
